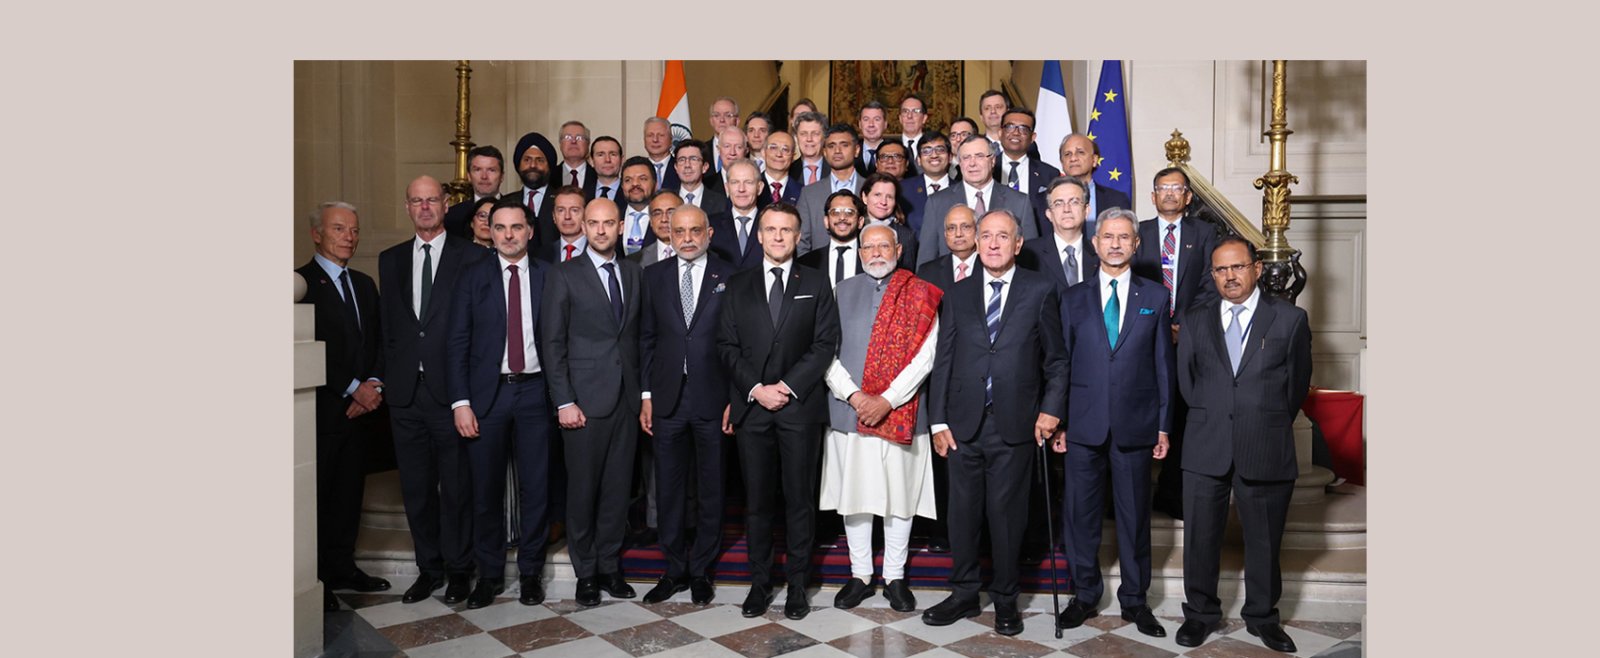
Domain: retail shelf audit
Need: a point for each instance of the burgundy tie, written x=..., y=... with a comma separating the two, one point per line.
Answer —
x=933, y=187
x=568, y=257
x=777, y=191
x=514, y=356
x=575, y=182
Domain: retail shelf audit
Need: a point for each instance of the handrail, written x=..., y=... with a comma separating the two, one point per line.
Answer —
x=1235, y=221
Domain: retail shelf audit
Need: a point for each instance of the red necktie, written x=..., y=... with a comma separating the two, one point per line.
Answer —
x=777, y=191
x=569, y=253
x=514, y=356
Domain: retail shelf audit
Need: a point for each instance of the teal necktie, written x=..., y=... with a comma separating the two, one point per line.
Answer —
x=1112, y=316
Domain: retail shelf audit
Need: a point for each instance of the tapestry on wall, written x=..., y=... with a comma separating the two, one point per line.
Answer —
x=853, y=83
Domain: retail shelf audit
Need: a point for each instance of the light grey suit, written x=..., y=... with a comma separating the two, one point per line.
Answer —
x=813, y=203
x=931, y=242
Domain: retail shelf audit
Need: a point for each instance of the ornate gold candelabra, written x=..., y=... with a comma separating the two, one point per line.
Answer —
x=459, y=188
x=1283, y=275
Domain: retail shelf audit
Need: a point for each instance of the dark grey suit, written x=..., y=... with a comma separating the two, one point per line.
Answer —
x=931, y=242
x=813, y=203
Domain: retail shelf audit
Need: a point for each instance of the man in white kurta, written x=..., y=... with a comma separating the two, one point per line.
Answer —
x=877, y=457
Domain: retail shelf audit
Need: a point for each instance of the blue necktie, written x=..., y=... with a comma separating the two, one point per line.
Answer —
x=1112, y=316
x=993, y=319
x=616, y=291
x=1234, y=336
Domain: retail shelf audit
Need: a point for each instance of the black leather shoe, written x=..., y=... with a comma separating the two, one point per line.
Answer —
x=1074, y=614
x=1273, y=637
x=852, y=594
x=1193, y=633
x=358, y=581
x=588, y=594
x=796, y=607
x=756, y=602
x=1144, y=620
x=615, y=585
x=1007, y=621
x=950, y=611
x=423, y=588
x=532, y=590
x=899, y=595
x=701, y=591
x=459, y=588
x=330, y=602
x=665, y=588
x=483, y=595
x=940, y=545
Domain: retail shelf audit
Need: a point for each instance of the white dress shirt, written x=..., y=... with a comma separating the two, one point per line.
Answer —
x=1122, y=294
x=609, y=187
x=436, y=246
x=971, y=261
x=692, y=197
x=567, y=172
x=577, y=247
x=852, y=261
x=530, y=349
x=1077, y=248
x=1246, y=317
x=605, y=279
x=1022, y=171
x=928, y=183
x=988, y=196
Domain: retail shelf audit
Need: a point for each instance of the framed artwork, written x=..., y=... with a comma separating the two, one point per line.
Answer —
x=853, y=83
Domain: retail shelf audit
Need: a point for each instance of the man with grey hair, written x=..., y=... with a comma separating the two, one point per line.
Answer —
x=575, y=169
x=658, y=149
x=876, y=457
x=808, y=130
x=977, y=191
x=724, y=115
x=347, y=323
x=1079, y=158
x=730, y=147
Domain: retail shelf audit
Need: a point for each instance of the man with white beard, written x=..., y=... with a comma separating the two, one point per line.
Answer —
x=876, y=457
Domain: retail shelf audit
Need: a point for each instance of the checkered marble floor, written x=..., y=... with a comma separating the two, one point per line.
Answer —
x=379, y=625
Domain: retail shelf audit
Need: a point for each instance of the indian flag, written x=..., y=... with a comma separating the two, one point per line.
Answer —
x=674, y=103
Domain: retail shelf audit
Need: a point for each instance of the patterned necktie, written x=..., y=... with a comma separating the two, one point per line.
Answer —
x=349, y=297
x=993, y=319
x=1169, y=246
x=744, y=235
x=961, y=271
x=1071, y=265
x=515, y=359
x=775, y=296
x=777, y=191
x=427, y=278
x=1012, y=178
x=615, y=291
x=666, y=252
x=980, y=209
x=686, y=293
x=1113, y=316
x=838, y=266
x=1234, y=337
x=635, y=231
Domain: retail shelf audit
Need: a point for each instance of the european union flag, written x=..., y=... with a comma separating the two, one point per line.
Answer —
x=1108, y=127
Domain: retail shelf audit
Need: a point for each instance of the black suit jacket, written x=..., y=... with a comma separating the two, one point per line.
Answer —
x=549, y=251
x=712, y=199
x=1105, y=197
x=458, y=219
x=914, y=192
x=1040, y=255
x=543, y=217
x=939, y=272
x=410, y=340
x=1119, y=395
x=1037, y=186
x=1027, y=362
x=1244, y=421
x=669, y=346
x=797, y=350
x=590, y=358
x=478, y=330
x=352, y=348
x=1194, y=283
x=587, y=184
x=725, y=242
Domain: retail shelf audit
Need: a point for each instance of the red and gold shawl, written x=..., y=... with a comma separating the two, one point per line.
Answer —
x=905, y=316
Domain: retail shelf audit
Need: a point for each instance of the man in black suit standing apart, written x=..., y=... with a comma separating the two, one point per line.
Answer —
x=1175, y=250
x=590, y=320
x=1244, y=365
x=1119, y=375
x=494, y=375
x=997, y=391
x=1079, y=158
x=347, y=322
x=420, y=275
x=687, y=421
x=777, y=335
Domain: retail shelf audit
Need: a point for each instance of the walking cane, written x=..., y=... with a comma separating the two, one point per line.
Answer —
x=1049, y=527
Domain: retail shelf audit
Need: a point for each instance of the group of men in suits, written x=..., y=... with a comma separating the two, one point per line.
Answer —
x=687, y=294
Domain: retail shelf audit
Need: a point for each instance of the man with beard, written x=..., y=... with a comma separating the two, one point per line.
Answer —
x=534, y=155
x=808, y=130
x=485, y=167
x=638, y=185
x=734, y=234
x=694, y=162
x=933, y=160
x=1022, y=170
x=575, y=169
x=686, y=421
x=780, y=181
x=1119, y=383
x=1079, y=158
x=606, y=152
x=840, y=256
x=590, y=324
x=568, y=218
x=870, y=121
x=876, y=460
x=998, y=389
x=880, y=193
x=777, y=332
x=420, y=275
x=978, y=191
x=840, y=147
x=658, y=150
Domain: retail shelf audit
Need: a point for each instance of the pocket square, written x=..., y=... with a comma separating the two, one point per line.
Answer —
x=1147, y=311
x=720, y=287
x=800, y=297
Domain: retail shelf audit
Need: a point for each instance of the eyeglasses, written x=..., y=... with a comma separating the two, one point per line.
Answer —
x=778, y=148
x=1058, y=204
x=842, y=212
x=1016, y=128
x=691, y=158
x=913, y=110
x=1223, y=270
x=933, y=150
x=574, y=138
x=890, y=157
x=960, y=228
x=1172, y=187
x=417, y=201
x=960, y=135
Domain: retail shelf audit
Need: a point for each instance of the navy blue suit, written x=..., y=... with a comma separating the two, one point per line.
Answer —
x=914, y=192
x=1105, y=197
x=725, y=242
x=513, y=417
x=686, y=418
x=1118, y=401
x=790, y=193
x=1040, y=255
